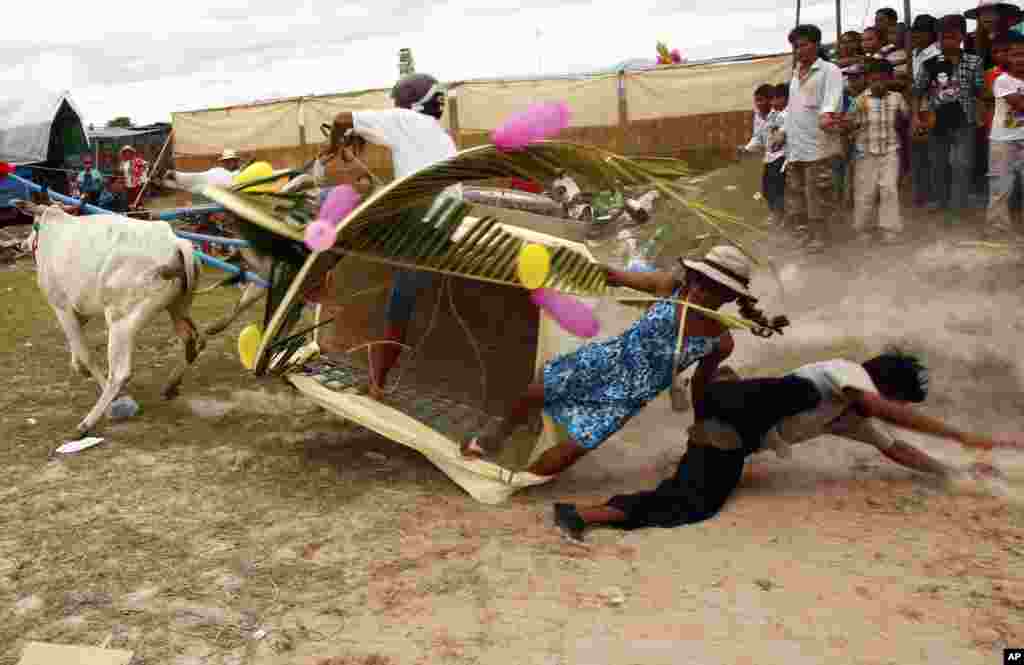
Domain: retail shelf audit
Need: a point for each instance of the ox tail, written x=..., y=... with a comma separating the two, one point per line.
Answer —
x=188, y=257
x=188, y=269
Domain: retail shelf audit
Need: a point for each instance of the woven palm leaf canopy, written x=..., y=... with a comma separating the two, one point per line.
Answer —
x=408, y=224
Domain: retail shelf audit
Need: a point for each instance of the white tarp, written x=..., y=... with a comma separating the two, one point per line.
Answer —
x=25, y=124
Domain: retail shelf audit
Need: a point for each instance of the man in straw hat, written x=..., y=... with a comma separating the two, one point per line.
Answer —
x=133, y=172
x=413, y=133
x=591, y=393
x=994, y=18
x=836, y=397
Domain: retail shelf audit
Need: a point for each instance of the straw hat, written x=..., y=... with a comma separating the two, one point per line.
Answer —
x=228, y=154
x=1001, y=7
x=726, y=265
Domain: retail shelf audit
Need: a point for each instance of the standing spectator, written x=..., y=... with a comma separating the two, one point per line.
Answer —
x=850, y=52
x=876, y=115
x=133, y=170
x=812, y=140
x=847, y=163
x=91, y=187
x=772, y=141
x=762, y=107
x=871, y=41
x=994, y=19
x=924, y=47
x=923, y=41
x=886, y=19
x=948, y=85
x=1007, y=139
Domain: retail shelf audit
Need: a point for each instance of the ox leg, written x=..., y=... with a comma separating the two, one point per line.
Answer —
x=250, y=297
x=120, y=347
x=81, y=361
x=194, y=345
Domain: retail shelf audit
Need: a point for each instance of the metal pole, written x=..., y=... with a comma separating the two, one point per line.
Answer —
x=909, y=21
x=798, y=12
x=839, y=22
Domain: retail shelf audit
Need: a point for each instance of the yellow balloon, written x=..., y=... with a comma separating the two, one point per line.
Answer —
x=248, y=343
x=534, y=265
x=256, y=171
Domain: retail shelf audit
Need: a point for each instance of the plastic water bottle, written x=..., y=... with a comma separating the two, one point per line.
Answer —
x=123, y=407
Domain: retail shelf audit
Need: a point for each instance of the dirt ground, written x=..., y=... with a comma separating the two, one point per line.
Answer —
x=237, y=524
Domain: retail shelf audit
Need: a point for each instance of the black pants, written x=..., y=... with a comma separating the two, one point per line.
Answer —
x=707, y=476
x=773, y=185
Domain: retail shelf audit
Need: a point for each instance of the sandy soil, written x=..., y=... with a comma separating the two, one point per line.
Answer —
x=212, y=529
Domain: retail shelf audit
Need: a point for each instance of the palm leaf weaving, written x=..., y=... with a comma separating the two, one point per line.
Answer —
x=390, y=226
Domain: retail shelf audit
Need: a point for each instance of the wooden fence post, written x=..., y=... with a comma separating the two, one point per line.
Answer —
x=453, y=116
x=623, y=114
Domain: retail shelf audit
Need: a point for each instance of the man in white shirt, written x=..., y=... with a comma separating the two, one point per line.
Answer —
x=413, y=133
x=836, y=397
x=812, y=140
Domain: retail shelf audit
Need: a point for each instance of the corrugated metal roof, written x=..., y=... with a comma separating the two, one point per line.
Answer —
x=113, y=133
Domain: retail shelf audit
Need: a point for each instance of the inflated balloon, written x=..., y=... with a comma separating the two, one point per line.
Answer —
x=253, y=172
x=575, y=317
x=534, y=265
x=5, y=169
x=539, y=122
x=319, y=235
x=248, y=343
x=339, y=202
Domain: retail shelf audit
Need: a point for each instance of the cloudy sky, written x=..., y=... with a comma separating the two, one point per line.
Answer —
x=147, y=59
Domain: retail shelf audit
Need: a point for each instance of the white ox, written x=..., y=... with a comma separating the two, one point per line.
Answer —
x=125, y=270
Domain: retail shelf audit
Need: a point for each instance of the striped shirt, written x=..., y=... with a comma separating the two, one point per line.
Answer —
x=875, y=120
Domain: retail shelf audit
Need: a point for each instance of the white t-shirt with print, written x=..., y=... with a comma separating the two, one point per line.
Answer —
x=1007, y=124
x=834, y=414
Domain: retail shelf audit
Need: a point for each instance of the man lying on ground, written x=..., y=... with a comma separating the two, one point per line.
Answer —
x=836, y=397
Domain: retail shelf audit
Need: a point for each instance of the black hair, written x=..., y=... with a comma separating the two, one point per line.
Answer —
x=890, y=12
x=811, y=33
x=950, y=21
x=764, y=90
x=850, y=34
x=899, y=375
x=781, y=90
x=873, y=29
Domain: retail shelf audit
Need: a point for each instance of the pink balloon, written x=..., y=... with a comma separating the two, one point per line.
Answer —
x=540, y=121
x=320, y=235
x=340, y=202
x=574, y=316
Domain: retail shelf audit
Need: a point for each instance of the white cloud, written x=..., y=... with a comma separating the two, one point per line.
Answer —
x=203, y=53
